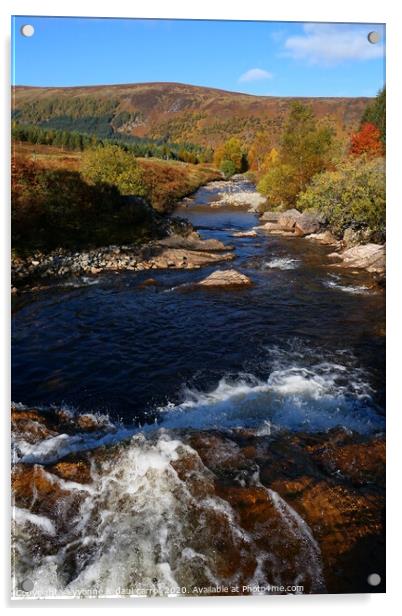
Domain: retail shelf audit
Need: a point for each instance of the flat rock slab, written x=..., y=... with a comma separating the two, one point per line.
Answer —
x=181, y=258
x=325, y=237
x=367, y=256
x=193, y=242
x=225, y=278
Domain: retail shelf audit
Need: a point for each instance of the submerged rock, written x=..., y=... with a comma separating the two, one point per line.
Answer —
x=225, y=278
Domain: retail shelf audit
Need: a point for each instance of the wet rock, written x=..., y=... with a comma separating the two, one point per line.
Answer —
x=286, y=502
x=225, y=278
x=30, y=425
x=78, y=471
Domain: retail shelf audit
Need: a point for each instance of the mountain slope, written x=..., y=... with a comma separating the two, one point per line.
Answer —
x=171, y=111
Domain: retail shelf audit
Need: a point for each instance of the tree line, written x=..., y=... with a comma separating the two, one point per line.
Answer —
x=75, y=140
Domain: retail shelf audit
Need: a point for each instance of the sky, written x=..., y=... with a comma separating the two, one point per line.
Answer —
x=264, y=58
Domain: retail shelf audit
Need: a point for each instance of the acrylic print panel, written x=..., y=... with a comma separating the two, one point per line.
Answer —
x=198, y=232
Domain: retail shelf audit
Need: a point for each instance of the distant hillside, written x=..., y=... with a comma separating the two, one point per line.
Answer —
x=171, y=111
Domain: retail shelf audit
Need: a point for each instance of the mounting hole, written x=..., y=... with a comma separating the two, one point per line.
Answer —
x=27, y=585
x=373, y=37
x=374, y=579
x=27, y=30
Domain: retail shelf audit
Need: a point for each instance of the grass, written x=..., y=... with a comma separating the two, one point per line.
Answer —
x=167, y=180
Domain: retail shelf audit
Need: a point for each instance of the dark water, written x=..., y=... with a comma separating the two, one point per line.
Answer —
x=304, y=330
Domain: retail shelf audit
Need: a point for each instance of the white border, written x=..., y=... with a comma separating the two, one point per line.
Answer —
x=385, y=11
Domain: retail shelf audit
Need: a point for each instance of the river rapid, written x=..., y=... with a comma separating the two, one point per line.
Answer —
x=165, y=369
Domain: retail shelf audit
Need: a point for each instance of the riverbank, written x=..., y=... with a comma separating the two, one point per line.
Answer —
x=353, y=249
x=175, y=251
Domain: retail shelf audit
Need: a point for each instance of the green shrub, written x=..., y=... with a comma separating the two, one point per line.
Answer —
x=351, y=196
x=279, y=186
x=54, y=208
x=111, y=165
x=228, y=168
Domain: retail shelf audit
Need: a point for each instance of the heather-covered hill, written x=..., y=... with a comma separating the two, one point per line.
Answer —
x=171, y=111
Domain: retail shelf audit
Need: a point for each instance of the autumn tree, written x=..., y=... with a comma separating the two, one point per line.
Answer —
x=305, y=149
x=367, y=141
x=231, y=151
x=259, y=151
x=375, y=113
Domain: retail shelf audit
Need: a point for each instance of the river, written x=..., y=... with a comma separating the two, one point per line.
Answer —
x=301, y=351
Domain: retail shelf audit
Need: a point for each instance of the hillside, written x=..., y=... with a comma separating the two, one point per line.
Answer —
x=170, y=111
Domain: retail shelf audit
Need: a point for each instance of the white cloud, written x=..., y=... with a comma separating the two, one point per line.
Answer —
x=333, y=43
x=255, y=74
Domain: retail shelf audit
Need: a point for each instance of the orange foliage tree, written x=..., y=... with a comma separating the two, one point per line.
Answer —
x=367, y=141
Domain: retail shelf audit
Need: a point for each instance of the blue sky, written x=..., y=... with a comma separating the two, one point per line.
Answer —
x=264, y=58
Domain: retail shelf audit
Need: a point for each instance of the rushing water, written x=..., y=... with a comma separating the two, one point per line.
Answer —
x=300, y=350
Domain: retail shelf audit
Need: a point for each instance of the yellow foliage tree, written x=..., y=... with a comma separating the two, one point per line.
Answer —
x=259, y=151
x=231, y=151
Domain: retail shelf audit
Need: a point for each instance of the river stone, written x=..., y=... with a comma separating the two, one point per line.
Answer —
x=225, y=278
x=270, y=216
x=325, y=237
x=287, y=220
x=367, y=256
x=353, y=237
x=307, y=224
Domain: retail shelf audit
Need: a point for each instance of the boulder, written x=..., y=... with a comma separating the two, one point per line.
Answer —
x=307, y=224
x=287, y=220
x=367, y=256
x=353, y=237
x=193, y=242
x=225, y=278
x=270, y=216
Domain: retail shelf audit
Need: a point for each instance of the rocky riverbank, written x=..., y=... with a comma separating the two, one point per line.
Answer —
x=353, y=249
x=175, y=251
x=278, y=507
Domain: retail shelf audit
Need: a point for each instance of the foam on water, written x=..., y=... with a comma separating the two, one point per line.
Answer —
x=335, y=283
x=313, y=399
x=282, y=263
x=141, y=529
